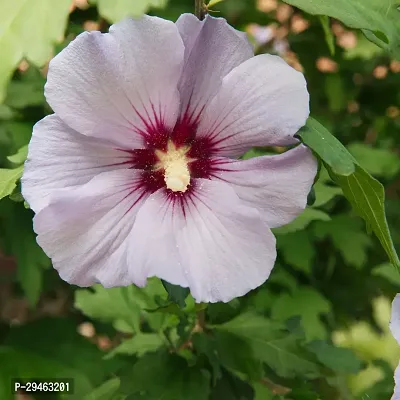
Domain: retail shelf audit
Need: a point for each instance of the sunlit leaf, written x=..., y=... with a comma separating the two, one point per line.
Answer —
x=378, y=19
x=8, y=180
x=29, y=29
x=115, y=10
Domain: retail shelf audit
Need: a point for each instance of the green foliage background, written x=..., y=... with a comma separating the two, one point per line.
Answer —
x=318, y=328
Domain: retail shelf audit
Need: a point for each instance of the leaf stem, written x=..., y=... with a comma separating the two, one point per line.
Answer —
x=200, y=9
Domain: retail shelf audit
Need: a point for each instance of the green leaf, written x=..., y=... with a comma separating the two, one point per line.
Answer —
x=29, y=29
x=16, y=223
x=261, y=392
x=165, y=376
x=327, y=147
x=231, y=387
x=388, y=272
x=367, y=196
x=297, y=249
x=203, y=344
x=28, y=91
x=117, y=9
x=348, y=236
x=51, y=347
x=364, y=193
x=329, y=38
x=378, y=20
x=282, y=278
x=306, y=303
x=20, y=156
x=8, y=180
x=280, y=350
x=365, y=50
x=302, y=221
x=107, y=391
x=241, y=360
x=378, y=162
x=122, y=306
x=176, y=294
x=139, y=344
x=324, y=191
x=340, y=360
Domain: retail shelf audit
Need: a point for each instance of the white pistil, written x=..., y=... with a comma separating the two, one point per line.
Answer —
x=175, y=165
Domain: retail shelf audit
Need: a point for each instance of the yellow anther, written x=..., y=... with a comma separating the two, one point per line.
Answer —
x=174, y=162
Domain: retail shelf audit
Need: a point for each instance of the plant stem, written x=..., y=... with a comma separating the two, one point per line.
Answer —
x=199, y=9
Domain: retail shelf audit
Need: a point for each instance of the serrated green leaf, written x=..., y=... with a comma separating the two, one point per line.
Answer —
x=297, y=249
x=139, y=344
x=348, y=236
x=364, y=193
x=340, y=360
x=378, y=19
x=176, y=294
x=242, y=359
x=116, y=10
x=123, y=306
x=268, y=343
x=282, y=278
x=367, y=196
x=29, y=29
x=107, y=391
x=306, y=303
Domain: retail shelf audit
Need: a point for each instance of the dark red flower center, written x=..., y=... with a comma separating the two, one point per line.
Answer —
x=173, y=159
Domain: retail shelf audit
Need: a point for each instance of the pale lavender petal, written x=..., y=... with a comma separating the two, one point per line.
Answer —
x=210, y=242
x=60, y=158
x=396, y=393
x=395, y=318
x=84, y=230
x=395, y=329
x=276, y=185
x=263, y=102
x=212, y=49
x=121, y=84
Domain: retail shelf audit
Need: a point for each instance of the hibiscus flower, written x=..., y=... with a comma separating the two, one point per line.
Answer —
x=137, y=172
